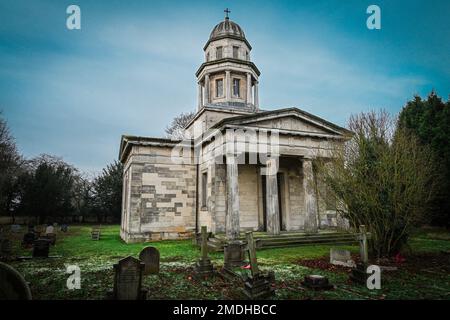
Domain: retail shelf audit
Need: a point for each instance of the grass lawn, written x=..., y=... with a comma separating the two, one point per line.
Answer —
x=424, y=275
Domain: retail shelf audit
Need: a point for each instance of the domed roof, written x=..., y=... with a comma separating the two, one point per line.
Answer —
x=227, y=28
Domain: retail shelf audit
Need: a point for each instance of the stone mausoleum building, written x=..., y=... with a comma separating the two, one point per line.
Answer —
x=239, y=168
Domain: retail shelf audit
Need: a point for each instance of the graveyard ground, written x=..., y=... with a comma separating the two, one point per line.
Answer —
x=424, y=275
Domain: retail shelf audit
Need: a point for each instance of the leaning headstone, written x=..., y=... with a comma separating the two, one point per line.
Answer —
x=204, y=267
x=12, y=285
x=150, y=257
x=41, y=248
x=128, y=279
x=340, y=257
x=257, y=285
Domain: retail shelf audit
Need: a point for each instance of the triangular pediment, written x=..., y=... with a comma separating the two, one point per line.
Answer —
x=289, y=120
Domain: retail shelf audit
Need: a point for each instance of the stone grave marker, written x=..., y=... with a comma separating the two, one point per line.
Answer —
x=359, y=274
x=12, y=285
x=28, y=239
x=64, y=227
x=204, y=267
x=16, y=228
x=341, y=257
x=95, y=233
x=49, y=229
x=41, y=248
x=6, y=248
x=128, y=279
x=50, y=237
x=150, y=257
x=258, y=285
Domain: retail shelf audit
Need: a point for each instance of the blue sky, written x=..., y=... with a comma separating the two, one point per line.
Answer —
x=130, y=69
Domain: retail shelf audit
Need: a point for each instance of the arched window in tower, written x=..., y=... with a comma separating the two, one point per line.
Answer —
x=219, y=88
x=219, y=51
x=207, y=56
x=235, y=52
x=236, y=87
x=247, y=57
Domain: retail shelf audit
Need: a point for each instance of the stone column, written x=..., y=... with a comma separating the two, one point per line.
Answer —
x=249, y=88
x=232, y=218
x=200, y=97
x=255, y=98
x=207, y=93
x=310, y=197
x=227, y=85
x=272, y=205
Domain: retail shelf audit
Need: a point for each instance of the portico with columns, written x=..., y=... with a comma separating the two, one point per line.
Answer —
x=245, y=168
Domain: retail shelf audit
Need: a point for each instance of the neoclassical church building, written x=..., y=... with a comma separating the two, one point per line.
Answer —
x=172, y=187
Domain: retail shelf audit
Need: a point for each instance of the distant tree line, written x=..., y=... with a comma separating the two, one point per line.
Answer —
x=49, y=189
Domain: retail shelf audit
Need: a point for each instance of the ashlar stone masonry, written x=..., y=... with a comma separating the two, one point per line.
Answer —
x=172, y=187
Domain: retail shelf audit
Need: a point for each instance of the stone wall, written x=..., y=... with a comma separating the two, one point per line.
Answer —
x=161, y=198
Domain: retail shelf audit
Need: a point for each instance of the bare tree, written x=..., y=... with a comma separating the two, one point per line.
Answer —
x=383, y=178
x=176, y=128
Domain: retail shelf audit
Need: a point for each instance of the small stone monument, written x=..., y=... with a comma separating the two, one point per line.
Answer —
x=340, y=257
x=204, y=267
x=234, y=254
x=257, y=285
x=41, y=248
x=28, y=239
x=12, y=285
x=51, y=237
x=64, y=227
x=128, y=280
x=316, y=282
x=49, y=229
x=6, y=248
x=150, y=257
x=16, y=228
x=359, y=273
x=95, y=233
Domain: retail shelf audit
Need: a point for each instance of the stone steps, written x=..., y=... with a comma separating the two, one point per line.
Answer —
x=291, y=240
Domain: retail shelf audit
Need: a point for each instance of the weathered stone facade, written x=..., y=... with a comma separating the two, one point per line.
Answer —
x=226, y=174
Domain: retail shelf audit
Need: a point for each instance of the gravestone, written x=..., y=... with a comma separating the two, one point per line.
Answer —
x=16, y=228
x=150, y=257
x=204, y=267
x=316, y=282
x=6, y=248
x=12, y=285
x=128, y=280
x=64, y=227
x=28, y=239
x=359, y=274
x=234, y=254
x=257, y=285
x=341, y=257
x=95, y=233
x=41, y=248
x=50, y=237
x=49, y=229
